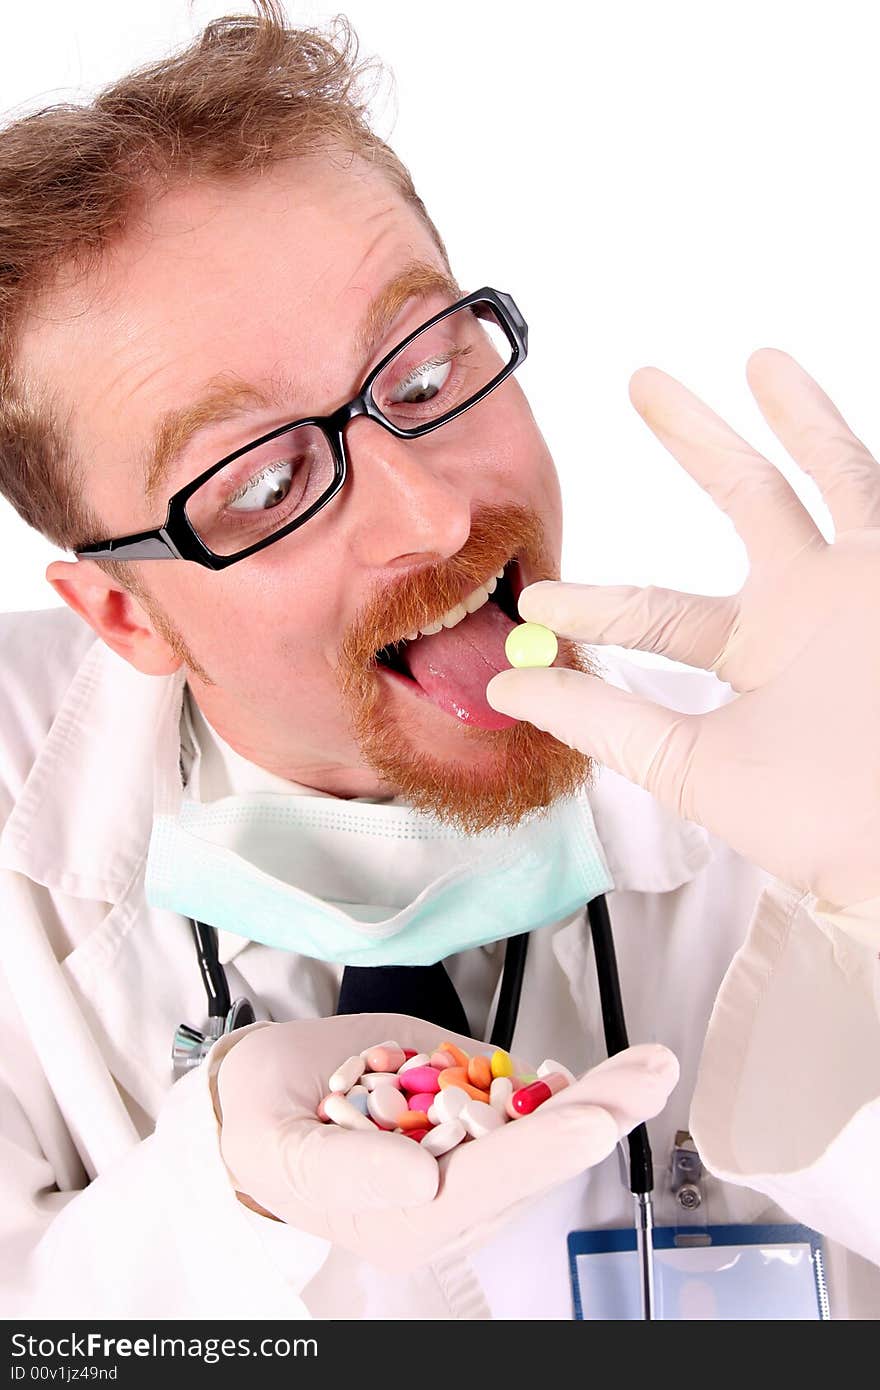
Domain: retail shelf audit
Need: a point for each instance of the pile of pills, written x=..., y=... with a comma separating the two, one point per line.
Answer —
x=440, y=1098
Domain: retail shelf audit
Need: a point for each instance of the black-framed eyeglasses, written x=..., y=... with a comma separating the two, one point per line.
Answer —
x=278, y=482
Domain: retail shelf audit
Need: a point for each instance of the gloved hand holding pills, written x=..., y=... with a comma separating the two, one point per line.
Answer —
x=301, y=1143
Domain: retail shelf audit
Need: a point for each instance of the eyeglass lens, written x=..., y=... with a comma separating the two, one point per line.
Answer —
x=265, y=489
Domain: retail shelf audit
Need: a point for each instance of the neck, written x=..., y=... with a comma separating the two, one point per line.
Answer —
x=333, y=777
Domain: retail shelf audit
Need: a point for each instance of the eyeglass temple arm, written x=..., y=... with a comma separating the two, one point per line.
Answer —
x=152, y=545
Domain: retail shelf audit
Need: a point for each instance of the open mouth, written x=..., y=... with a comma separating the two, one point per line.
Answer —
x=451, y=667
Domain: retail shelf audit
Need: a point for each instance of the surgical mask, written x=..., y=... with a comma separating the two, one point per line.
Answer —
x=238, y=863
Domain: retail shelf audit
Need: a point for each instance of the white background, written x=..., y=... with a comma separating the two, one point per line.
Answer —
x=674, y=184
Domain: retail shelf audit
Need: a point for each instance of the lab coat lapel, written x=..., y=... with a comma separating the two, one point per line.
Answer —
x=136, y=980
x=81, y=827
x=82, y=821
x=69, y=1053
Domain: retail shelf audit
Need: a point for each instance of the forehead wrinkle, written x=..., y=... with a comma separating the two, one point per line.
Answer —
x=225, y=398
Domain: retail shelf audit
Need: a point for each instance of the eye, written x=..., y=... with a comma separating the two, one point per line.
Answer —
x=423, y=383
x=266, y=489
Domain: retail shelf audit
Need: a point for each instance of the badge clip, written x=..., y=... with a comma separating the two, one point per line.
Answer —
x=687, y=1170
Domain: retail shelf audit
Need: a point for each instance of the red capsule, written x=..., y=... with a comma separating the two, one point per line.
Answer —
x=528, y=1098
x=409, y=1052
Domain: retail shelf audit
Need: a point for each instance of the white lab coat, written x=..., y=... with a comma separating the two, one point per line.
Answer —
x=115, y=1199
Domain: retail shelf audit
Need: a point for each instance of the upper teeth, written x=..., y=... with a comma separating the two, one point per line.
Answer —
x=469, y=604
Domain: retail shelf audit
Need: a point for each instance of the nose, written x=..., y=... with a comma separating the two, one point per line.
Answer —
x=403, y=507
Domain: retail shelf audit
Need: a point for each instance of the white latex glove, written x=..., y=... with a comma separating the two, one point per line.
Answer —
x=380, y=1195
x=789, y=773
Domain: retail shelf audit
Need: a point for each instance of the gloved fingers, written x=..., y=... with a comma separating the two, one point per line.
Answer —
x=812, y=429
x=763, y=506
x=691, y=628
x=645, y=742
x=482, y=1184
x=322, y=1167
x=571, y=1132
x=632, y=1086
x=482, y=1181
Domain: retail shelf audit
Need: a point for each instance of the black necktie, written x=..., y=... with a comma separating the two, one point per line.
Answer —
x=425, y=991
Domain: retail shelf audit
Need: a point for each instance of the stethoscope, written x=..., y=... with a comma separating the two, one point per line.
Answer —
x=191, y=1046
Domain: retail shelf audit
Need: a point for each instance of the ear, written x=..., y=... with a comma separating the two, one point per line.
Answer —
x=114, y=614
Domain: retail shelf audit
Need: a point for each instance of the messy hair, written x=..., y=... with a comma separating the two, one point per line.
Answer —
x=247, y=92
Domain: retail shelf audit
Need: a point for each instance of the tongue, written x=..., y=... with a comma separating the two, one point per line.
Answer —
x=454, y=666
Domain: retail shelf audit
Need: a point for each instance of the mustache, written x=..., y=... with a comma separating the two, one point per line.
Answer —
x=497, y=533
x=517, y=770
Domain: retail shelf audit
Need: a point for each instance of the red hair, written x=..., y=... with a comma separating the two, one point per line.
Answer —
x=247, y=92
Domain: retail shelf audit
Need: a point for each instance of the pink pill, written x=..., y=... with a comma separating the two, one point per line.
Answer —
x=385, y=1058
x=422, y=1102
x=509, y=1110
x=420, y=1079
x=441, y=1060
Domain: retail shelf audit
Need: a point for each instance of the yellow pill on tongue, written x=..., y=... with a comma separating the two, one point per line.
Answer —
x=531, y=644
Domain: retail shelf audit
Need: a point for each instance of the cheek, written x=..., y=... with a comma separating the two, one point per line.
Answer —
x=258, y=615
x=537, y=465
x=517, y=457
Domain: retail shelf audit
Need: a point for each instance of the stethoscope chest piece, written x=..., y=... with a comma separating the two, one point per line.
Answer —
x=192, y=1045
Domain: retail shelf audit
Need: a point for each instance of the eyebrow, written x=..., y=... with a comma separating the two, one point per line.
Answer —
x=227, y=397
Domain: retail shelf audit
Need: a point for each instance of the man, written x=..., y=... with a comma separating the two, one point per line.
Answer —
x=302, y=529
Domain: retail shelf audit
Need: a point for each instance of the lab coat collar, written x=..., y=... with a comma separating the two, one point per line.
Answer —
x=82, y=821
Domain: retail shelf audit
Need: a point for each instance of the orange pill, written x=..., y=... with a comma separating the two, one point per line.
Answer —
x=457, y=1076
x=453, y=1076
x=412, y=1119
x=479, y=1071
x=461, y=1058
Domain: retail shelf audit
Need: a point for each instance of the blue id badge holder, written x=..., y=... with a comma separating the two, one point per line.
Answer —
x=701, y=1272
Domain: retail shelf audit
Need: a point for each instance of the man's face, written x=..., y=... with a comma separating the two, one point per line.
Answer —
x=259, y=281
